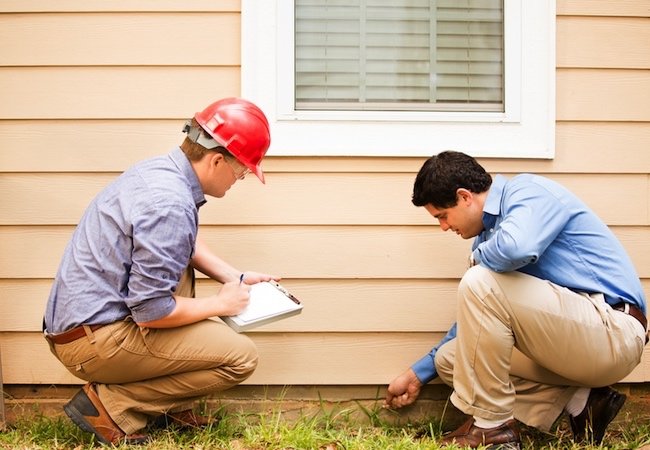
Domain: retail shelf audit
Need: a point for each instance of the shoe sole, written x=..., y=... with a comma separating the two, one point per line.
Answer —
x=82, y=423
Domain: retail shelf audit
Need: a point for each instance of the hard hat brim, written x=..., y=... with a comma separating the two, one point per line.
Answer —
x=257, y=170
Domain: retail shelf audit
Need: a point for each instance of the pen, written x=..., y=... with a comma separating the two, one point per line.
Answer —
x=241, y=278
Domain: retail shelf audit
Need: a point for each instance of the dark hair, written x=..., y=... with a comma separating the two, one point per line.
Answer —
x=443, y=174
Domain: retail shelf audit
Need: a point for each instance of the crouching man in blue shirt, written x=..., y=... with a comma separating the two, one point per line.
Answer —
x=550, y=313
x=121, y=313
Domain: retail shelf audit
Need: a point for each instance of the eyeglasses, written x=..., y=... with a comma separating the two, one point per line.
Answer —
x=242, y=174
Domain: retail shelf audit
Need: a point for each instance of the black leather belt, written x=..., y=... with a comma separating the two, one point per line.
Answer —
x=71, y=335
x=634, y=312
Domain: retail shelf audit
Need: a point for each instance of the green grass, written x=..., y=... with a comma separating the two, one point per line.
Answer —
x=326, y=430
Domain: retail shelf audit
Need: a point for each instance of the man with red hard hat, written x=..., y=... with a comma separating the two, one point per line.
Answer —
x=121, y=313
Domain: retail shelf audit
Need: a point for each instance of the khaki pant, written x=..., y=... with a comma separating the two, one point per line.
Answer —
x=143, y=372
x=524, y=345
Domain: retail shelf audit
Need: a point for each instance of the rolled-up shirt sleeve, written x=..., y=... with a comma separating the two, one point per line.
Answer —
x=163, y=243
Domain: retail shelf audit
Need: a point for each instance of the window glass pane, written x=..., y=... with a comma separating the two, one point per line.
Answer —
x=430, y=55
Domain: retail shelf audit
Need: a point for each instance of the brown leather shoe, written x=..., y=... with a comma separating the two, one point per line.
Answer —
x=182, y=419
x=505, y=436
x=602, y=406
x=88, y=413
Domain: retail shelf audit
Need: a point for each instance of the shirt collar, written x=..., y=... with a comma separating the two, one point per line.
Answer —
x=492, y=206
x=493, y=201
x=181, y=161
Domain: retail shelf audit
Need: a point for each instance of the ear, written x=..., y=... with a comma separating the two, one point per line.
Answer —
x=464, y=195
x=215, y=159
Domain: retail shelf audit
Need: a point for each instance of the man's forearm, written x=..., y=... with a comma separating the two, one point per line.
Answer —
x=211, y=265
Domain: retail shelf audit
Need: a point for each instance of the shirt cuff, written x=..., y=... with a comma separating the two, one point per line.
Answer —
x=425, y=369
x=153, y=309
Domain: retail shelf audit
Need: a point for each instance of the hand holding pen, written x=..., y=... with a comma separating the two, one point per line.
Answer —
x=234, y=296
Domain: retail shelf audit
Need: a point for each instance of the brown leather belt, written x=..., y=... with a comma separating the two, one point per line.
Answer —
x=72, y=334
x=634, y=312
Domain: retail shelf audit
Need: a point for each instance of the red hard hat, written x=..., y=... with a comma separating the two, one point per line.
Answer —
x=240, y=127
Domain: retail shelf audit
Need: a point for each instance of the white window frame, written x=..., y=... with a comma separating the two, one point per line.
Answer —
x=525, y=130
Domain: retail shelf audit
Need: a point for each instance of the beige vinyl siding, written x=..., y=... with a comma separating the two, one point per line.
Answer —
x=89, y=88
x=582, y=148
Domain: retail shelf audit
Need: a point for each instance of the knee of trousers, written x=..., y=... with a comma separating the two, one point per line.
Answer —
x=245, y=364
x=475, y=282
x=444, y=361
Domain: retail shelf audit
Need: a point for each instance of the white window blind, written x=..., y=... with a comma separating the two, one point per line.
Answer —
x=402, y=55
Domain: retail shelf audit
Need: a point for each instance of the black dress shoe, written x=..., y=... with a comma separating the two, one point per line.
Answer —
x=602, y=406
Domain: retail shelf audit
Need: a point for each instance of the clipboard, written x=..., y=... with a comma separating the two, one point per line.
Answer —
x=269, y=301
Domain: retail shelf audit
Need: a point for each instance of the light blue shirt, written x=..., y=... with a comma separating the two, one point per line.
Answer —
x=538, y=227
x=130, y=248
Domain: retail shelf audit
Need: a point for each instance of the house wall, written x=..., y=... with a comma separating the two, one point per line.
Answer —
x=89, y=88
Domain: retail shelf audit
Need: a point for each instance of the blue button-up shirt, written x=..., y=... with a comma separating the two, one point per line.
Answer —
x=538, y=227
x=130, y=248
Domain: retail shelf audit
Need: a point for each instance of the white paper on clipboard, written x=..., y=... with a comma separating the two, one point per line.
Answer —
x=269, y=301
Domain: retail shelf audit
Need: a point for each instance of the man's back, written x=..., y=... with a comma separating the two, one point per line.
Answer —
x=556, y=237
x=147, y=206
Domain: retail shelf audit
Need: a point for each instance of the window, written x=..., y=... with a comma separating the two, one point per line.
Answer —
x=402, y=55
x=402, y=77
